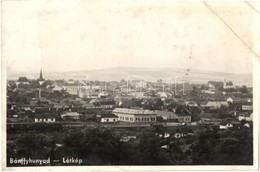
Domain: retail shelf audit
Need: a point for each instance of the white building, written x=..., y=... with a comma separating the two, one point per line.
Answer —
x=216, y=104
x=48, y=118
x=247, y=117
x=225, y=125
x=71, y=115
x=135, y=115
x=108, y=118
x=247, y=107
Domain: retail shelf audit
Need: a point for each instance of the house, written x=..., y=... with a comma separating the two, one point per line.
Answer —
x=208, y=91
x=135, y=115
x=167, y=115
x=228, y=85
x=70, y=87
x=107, y=103
x=107, y=118
x=245, y=116
x=247, y=106
x=129, y=103
x=70, y=115
x=224, y=125
x=230, y=100
x=184, y=118
x=88, y=105
x=234, y=99
x=214, y=104
x=57, y=88
x=26, y=109
x=12, y=113
x=102, y=94
x=48, y=118
x=104, y=103
x=184, y=115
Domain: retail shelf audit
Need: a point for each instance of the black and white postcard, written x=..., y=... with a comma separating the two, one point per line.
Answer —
x=130, y=85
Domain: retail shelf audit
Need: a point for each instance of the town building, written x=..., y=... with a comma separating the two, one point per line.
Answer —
x=70, y=115
x=214, y=104
x=107, y=118
x=135, y=115
x=104, y=103
x=208, y=91
x=48, y=118
x=41, y=79
x=167, y=115
x=184, y=118
x=245, y=116
x=224, y=125
x=22, y=80
x=227, y=86
x=184, y=114
x=247, y=106
x=57, y=88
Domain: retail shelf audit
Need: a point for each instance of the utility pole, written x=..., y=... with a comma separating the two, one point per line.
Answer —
x=175, y=88
x=183, y=89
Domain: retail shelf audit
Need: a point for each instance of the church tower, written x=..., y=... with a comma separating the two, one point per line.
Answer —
x=41, y=79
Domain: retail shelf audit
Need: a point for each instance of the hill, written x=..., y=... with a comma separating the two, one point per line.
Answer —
x=148, y=74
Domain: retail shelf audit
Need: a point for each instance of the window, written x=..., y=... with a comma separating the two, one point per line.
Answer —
x=114, y=119
x=107, y=120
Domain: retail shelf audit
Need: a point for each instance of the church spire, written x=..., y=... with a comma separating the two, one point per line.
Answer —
x=41, y=78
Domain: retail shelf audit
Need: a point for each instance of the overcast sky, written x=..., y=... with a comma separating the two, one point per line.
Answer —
x=71, y=35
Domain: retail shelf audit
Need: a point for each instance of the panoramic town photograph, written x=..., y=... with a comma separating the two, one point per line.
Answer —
x=128, y=84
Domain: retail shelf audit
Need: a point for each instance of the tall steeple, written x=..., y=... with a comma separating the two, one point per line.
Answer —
x=41, y=78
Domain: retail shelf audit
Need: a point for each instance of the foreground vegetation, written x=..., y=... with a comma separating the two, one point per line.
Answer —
x=103, y=146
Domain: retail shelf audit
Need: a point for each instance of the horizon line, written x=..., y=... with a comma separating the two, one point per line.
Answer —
x=146, y=68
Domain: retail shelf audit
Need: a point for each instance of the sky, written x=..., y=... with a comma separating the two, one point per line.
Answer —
x=71, y=35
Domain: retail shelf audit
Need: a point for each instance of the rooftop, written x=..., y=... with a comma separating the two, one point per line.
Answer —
x=45, y=115
x=133, y=111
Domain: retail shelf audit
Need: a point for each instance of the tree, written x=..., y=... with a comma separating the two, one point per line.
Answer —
x=148, y=147
x=194, y=91
x=97, y=145
x=230, y=83
x=33, y=145
x=218, y=84
x=243, y=89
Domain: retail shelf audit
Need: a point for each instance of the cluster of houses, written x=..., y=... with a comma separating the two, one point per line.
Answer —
x=60, y=100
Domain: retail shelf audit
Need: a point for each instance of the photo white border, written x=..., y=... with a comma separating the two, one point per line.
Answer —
x=256, y=113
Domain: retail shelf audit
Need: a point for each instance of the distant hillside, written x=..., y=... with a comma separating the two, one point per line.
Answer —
x=149, y=74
